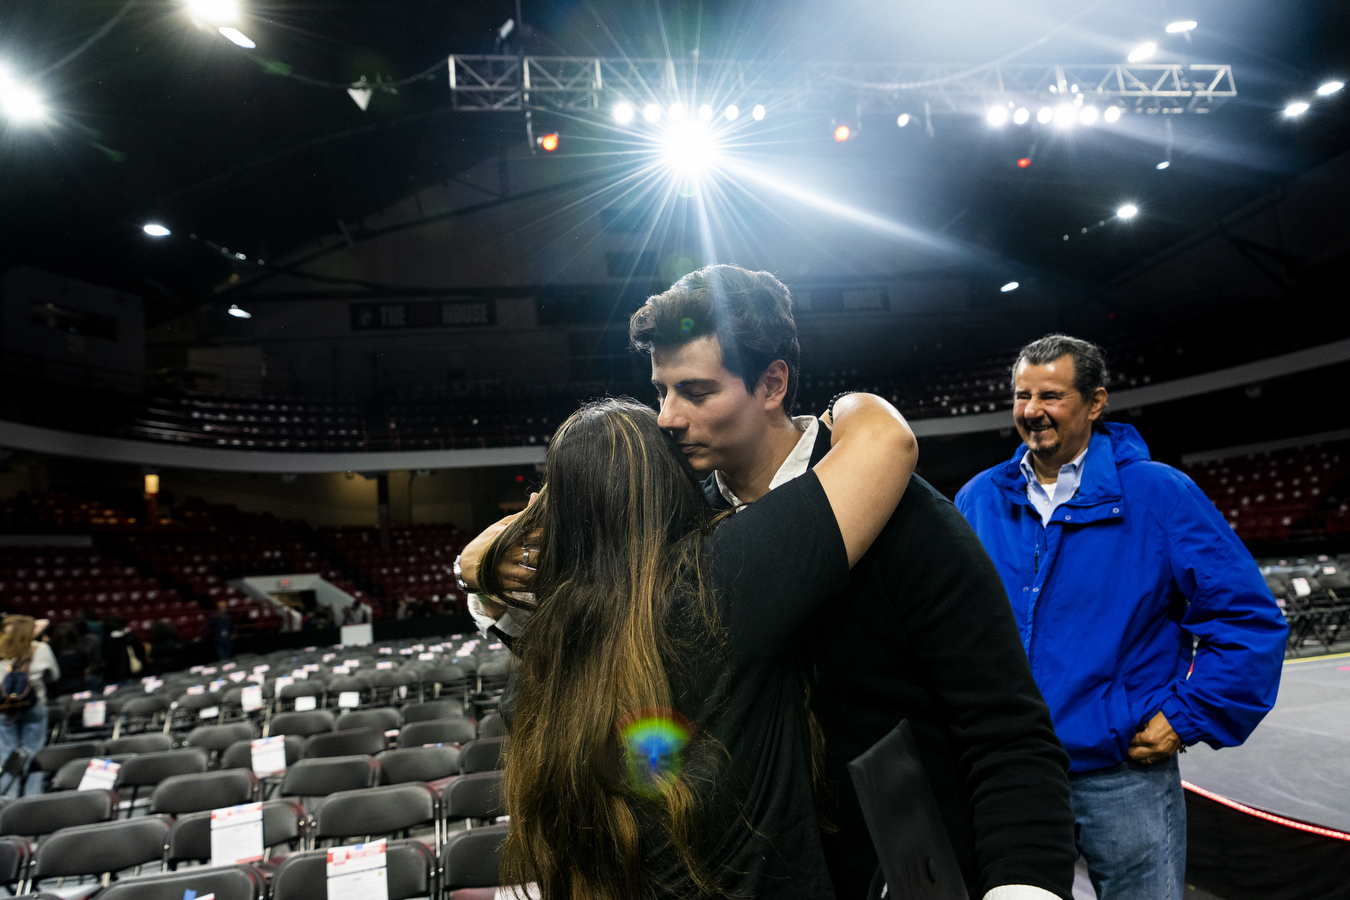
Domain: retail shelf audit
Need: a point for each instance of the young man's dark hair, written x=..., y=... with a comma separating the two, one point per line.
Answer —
x=750, y=313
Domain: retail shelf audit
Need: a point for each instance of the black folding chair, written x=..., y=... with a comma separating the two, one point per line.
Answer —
x=312, y=780
x=215, y=739
x=223, y=882
x=47, y=813
x=150, y=742
x=377, y=811
x=384, y=719
x=432, y=709
x=148, y=770
x=309, y=722
x=483, y=755
x=459, y=731
x=369, y=741
x=475, y=799
x=411, y=868
x=102, y=850
x=429, y=764
x=472, y=859
x=284, y=824
x=212, y=790
x=493, y=725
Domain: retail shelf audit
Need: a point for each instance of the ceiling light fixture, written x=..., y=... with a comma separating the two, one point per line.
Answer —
x=214, y=12
x=1330, y=87
x=842, y=133
x=705, y=113
x=902, y=120
x=1297, y=108
x=237, y=37
x=154, y=229
x=732, y=112
x=239, y=313
x=623, y=112
x=1021, y=116
x=1065, y=115
x=1088, y=115
x=1045, y=115
x=1179, y=27
x=1010, y=286
x=1128, y=211
x=651, y=112
x=759, y=112
x=1112, y=114
x=20, y=103
x=1166, y=163
x=996, y=116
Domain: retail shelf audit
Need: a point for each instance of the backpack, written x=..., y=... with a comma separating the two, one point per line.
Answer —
x=16, y=693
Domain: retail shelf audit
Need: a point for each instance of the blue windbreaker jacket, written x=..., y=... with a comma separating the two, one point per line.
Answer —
x=1134, y=579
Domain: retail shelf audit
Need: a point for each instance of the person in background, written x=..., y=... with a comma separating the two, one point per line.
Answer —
x=219, y=630
x=90, y=642
x=123, y=652
x=166, y=650
x=72, y=660
x=1146, y=621
x=26, y=667
x=95, y=626
x=404, y=609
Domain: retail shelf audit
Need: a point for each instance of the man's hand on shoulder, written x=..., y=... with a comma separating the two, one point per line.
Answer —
x=1156, y=742
x=518, y=563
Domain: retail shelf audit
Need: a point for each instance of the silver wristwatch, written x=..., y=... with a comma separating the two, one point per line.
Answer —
x=459, y=578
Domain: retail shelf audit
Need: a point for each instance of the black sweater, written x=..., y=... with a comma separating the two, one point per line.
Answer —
x=924, y=632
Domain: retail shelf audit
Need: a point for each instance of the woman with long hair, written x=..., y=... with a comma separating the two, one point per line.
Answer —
x=26, y=666
x=661, y=745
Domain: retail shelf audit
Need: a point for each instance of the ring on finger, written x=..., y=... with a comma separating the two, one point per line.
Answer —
x=525, y=562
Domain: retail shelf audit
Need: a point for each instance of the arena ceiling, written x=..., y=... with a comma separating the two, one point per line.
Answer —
x=150, y=118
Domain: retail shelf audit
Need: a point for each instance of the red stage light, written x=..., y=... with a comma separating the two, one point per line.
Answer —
x=1023, y=162
x=842, y=133
x=549, y=142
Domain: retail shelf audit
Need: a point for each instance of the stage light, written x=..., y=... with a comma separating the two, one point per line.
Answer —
x=549, y=142
x=902, y=120
x=1330, y=87
x=154, y=229
x=151, y=484
x=705, y=113
x=1010, y=286
x=1297, y=108
x=1142, y=52
x=1021, y=116
x=676, y=111
x=1088, y=115
x=1112, y=114
x=1178, y=27
x=689, y=148
x=237, y=37
x=651, y=112
x=20, y=102
x=623, y=112
x=996, y=116
x=1065, y=115
x=732, y=112
x=1024, y=162
x=1163, y=165
x=758, y=112
x=842, y=133
x=1045, y=115
x=214, y=12
x=1128, y=211
x=239, y=313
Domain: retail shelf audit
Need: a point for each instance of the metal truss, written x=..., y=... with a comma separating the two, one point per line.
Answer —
x=575, y=84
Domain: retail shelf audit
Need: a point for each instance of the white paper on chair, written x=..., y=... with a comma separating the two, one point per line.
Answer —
x=251, y=698
x=349, y=699
x=269, y=756
x=426, y=656
x=302, y=674
x=236, y=834
x=327, y=657
x=99, y=775
x=237, y=677
x=211, y=712
x=95, y=714
x=260, y=669
x=352, y=663
x=341, y=670
x=304, y=704
x=358, y=872
x=382, y=665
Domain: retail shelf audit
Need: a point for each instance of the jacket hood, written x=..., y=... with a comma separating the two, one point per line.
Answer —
x=1120, y=444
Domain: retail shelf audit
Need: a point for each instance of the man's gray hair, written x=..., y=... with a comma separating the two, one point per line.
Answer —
x=1089, y=364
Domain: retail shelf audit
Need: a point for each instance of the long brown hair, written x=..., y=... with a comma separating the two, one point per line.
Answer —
x=16, y=643
x=622, y=516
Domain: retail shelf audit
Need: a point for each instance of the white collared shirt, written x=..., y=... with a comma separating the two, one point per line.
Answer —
x=796, y=464
x=1061, y=492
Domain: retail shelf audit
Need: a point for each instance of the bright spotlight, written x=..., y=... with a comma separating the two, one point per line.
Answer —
x=623, y=112
x=239, y=313
x=20, y=102
x=758, y=112
x=1088, y=115
x=1166, y=163
x=902, y=120
x=676, y=111
x=214, y=12
x=1021, y=116
x=1045, y=115
x=996, y=116
x=1128, y=211
x=237, y=37
x=549, y=142
x=688, y=148
x=651, y=112
x=1024, y=162
x=732, y=112
x=154, y=229
x=1179, y=27
x=842, y=133
x=1065, y=115
x=1142, y=52
x=1112, y=114
x=705, y=113
x=1330, y=87
x=1010, y=286
x=1297, y=108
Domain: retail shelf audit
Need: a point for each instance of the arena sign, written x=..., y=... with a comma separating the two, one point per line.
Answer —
x=425, y=314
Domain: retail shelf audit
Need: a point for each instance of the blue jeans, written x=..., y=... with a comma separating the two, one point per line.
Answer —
x=27, y=729
x=1132, y=830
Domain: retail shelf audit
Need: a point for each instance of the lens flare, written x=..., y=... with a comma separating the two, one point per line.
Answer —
x=653, y=740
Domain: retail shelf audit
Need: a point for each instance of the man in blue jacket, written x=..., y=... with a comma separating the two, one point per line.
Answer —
x=1146, y=622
